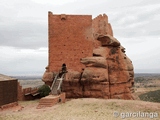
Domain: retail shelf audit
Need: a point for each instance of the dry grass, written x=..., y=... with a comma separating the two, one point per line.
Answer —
x=83, y=109
x=142, y=90
x=80, y=109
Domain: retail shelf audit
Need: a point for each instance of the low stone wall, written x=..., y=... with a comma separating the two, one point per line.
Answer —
x=8, y=105
x=27, y=93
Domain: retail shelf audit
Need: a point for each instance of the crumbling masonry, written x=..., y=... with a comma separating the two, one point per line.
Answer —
x=96, y=62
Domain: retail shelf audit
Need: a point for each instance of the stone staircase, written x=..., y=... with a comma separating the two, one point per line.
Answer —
x=56, y=96
x=51, y=100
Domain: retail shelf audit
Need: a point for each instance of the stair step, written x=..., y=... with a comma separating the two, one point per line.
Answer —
x=45, y=104
x=47, y=101
x=51, y=100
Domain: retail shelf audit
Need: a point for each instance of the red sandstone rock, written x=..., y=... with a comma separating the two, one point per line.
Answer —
x=119, y=77
x=129, y=64
x=99, y=90
x=119, y=88
x=73, y=89
x=108, y=40
x=96, y=62
x=100, y=51
x=126, y=96
x=72, y=75
x=122, y=49
x=47, y=77
x=93, y=74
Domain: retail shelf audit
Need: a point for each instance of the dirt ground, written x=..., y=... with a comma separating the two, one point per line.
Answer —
x=85, y=109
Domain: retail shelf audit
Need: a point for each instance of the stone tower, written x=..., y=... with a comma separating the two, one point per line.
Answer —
x=96, y=62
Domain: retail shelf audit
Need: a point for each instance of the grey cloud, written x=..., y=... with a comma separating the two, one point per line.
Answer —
x=138, y=14
x=24, y=35
x=24, y=66
x=149, y=2
x=25, y=61
x=24, y=25
x=147, y=29
x=128, y=19
x=140, y=23
x=149, y=60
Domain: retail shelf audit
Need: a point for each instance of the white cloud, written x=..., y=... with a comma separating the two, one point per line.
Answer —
x=20, y=61
x=24, y=32
x=144, y=52
x=54, y=2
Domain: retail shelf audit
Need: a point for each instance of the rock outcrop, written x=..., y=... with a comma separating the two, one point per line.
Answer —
x=107, y=74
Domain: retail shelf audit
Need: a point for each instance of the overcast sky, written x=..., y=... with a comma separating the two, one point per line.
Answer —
x=24, y=31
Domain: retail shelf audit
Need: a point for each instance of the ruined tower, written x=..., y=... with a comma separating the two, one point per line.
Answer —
x=70, y=38
x=96, y=62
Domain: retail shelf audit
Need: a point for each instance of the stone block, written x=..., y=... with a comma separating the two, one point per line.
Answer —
x=99, y=62
x=93, y=74
x=108, y=40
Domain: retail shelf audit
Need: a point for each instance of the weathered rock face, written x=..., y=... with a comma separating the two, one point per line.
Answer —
x=108, y=73
x=94, y=62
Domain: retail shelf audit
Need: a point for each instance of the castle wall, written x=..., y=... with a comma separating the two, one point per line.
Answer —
x=101, y=26
x=27, y=93
x=83, y=43
x=70, y=39
x=8, y=91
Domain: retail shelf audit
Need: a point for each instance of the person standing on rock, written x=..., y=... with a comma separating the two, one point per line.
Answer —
x=64, y=68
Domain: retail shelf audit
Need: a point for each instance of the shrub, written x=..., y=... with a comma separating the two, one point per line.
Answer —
x=152, y=96
x=44, y=90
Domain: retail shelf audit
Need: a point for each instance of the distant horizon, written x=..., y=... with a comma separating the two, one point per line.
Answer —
x=40, y=73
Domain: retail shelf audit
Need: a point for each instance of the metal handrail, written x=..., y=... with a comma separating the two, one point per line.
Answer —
x=61, y=79
x=54, y=81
